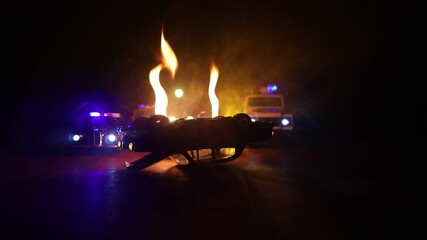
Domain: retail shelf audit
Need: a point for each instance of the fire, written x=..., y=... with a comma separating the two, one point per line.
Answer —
x=212, y=96
x=169, y=59
x=170, y=62
x=159, y=92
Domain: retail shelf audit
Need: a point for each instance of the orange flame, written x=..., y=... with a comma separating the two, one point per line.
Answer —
x=170, y=62
x=159, y=92
x=212, y=96
x=169, y=59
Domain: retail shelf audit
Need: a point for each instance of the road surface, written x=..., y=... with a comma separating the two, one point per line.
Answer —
x=281, y=191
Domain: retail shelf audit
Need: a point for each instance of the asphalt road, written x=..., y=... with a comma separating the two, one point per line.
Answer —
x=285, y=190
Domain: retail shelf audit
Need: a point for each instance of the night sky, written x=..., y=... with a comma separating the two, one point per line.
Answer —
x=338, y=63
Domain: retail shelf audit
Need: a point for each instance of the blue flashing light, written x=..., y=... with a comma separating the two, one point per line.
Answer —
x=94, y=114
x=271, y=88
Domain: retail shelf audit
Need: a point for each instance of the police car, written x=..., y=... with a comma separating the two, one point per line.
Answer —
x=267, y=106
x=98, y=130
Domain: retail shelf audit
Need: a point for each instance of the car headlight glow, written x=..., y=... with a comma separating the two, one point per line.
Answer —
x=76, y=137
x=111, y=137
x=285, y=122
x=253, y=119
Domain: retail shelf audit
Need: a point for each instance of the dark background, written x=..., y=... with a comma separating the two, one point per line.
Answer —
x=346, y=69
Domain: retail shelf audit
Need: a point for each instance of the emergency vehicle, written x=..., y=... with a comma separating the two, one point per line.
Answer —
x=266, y=105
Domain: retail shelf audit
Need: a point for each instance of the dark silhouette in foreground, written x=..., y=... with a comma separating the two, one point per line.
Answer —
x=218, y=140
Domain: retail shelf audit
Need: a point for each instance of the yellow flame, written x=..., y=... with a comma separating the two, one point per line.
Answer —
x=212, y=96
x=169, y=59
x=159, y=92
x=170, y=62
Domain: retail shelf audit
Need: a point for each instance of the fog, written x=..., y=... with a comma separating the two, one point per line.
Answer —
x=331, y=60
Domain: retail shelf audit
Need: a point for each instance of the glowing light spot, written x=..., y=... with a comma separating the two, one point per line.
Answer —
x=285, y=122
x=76, y=138
x=111, y=138
x=271, y=88
x=179, y=93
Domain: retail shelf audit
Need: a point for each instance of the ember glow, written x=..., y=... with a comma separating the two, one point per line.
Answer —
x=169, y=62
x=212, y=96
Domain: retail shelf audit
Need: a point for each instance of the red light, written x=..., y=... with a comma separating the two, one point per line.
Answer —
x=114, y=115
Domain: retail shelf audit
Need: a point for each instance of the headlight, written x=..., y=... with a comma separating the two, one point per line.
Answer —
x=111, y=137
x=76, y=137
x=285, y=122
